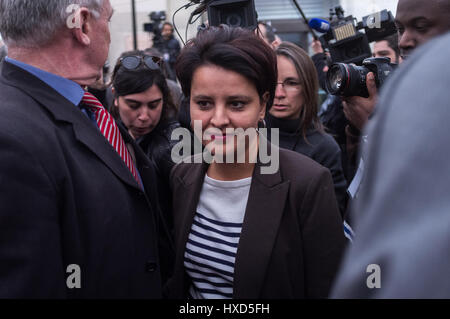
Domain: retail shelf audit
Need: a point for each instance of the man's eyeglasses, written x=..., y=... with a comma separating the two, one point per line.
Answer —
x=289, y=85
x=132, y=62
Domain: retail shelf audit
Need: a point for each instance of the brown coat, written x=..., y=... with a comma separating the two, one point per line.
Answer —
x=292, y=236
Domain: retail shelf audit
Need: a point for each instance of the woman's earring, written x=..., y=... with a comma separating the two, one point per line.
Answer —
x=261, y=124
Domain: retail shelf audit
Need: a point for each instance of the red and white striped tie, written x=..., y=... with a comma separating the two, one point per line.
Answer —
x=109, y=129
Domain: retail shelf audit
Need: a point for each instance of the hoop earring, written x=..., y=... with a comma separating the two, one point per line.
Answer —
x=261, y=124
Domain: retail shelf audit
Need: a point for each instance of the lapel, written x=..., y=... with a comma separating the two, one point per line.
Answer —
x=190, y=188
x=266, y=203
x=63, y=110
x=191, y=185
x=265, y=207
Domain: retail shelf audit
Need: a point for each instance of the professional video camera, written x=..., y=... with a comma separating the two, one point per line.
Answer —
x=344, y=40
x=156, y=26
x=347, y=44
x=235, y=13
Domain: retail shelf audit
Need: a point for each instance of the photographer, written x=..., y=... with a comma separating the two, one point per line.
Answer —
x=358, y=109
x=169, y=47
x=402, y=213
x=414, y=29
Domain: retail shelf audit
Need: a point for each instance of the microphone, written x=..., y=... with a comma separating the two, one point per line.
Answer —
x=319, y=25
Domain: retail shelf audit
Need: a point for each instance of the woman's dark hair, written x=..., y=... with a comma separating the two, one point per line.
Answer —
x=126, y=82
x=309, y=83
x=233, y=49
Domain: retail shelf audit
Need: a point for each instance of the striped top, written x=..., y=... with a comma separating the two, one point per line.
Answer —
x=214, y=238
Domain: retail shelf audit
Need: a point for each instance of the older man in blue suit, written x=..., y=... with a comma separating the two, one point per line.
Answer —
x=78, y=210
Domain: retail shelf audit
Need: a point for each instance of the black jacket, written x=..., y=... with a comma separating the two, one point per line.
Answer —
x=320, y=147
x=66, y=198
x=292, y=237
x=157, y=145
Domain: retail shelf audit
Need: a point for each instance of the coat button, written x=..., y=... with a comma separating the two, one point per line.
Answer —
x=150, y=266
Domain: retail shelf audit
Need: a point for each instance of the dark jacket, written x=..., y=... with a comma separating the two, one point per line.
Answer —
x=157, y=145
x=332, y=116
x=320, y=147
x=320, y=62
x=292, y=236
x=66, y=198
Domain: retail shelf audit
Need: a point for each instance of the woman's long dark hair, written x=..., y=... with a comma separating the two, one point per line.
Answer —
x=309, y=83
x=126, y=82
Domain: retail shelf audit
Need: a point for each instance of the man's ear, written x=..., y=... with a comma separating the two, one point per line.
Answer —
x=80, y=23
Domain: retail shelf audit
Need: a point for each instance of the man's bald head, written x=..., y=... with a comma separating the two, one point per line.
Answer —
x=419, y=21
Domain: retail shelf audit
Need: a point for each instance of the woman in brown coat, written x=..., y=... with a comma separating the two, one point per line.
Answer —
x=243, y=228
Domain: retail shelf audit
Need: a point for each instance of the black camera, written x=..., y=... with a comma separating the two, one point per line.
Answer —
x=235, y=13
x=346, y=43
x=350, y=79
x=156, y=26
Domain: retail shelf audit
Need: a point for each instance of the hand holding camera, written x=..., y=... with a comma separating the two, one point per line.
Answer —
x=358, y=109
x=350, y=79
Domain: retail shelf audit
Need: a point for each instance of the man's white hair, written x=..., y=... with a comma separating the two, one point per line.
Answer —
x=30, y=23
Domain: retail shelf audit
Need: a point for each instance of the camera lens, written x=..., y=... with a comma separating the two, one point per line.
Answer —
x=335, y=79
x=234, y=20
x=347, y=80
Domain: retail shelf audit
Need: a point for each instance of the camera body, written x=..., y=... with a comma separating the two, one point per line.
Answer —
x=349, y=47
x=235, y=13
x=350, y=80
x=344, y=40
x=156, y=26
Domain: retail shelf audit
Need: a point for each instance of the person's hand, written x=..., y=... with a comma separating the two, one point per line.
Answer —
x=357, y=109
x=316, y=46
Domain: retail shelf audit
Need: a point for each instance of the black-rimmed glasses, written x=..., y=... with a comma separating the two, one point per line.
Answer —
x=132, y=62
x=289, y=85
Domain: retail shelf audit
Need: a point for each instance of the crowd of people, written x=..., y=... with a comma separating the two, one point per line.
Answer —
x=90, y=177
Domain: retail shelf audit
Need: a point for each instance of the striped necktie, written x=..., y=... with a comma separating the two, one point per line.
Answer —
x=109, y=129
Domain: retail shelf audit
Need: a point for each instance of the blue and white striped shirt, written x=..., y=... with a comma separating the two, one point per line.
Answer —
x=214, y=238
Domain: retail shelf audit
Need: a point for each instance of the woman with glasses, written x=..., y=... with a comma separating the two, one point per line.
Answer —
x=143, y=104
x=294, y=113
x=242, y=231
